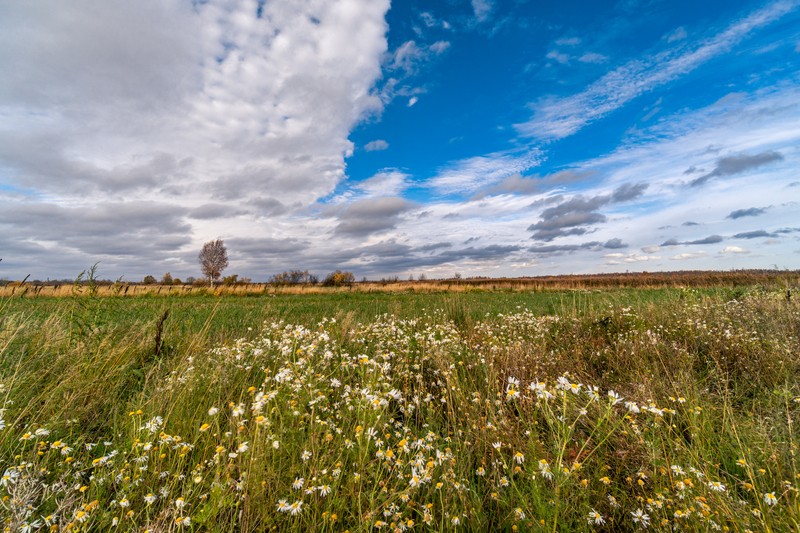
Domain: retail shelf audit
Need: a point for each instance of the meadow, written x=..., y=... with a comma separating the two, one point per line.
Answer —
x=603, y=409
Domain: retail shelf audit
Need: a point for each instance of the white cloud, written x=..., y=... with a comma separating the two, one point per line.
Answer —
x=568, y=41
x=376, y=145
x=439, y=47
x=196, y=104
x=678, y=34
x=428, y=19
x=482, y=9
x=688, y=255
x=407, y=56
x=240, y=124
x=385, y=183
x=468, y=175
x=620, y=258
x=593, y=57
x=411, y=101
x=431, y=21
x=407, y=61
x=762, y=121
x=558, y=57
x=52, y=58
x=734, y=250
x=557, y=117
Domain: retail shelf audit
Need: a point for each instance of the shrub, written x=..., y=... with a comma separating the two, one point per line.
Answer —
x=339, y=278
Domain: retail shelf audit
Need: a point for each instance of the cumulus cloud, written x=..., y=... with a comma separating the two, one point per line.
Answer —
x=492, y=251
x=439, y=47
x=750, y=212
x=518, y=184
x=434, y=246
x=122, y=229
x=728, y=166
x=68, y=65
x=482, y=9
x=376, y=145
x=216, y=108
x=733, y=250
x=628, y=191
x=617, y=258
x=611, y=244
x=385, y=183
x=245, y=127
x=593, y=57
x=688, y=255
x=258, y=248
x=558, y=57
x=711, y=239
x=212, y=211
x=756, y=234
x=390, y=256
x=615, y=244
x=371, y=215
x=267, y=206
x=572, y=216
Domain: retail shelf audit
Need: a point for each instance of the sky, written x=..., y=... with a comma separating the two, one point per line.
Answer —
x=480, y=137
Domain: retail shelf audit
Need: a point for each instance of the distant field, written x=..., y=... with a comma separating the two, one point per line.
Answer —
x=481, y=409
x=736, y=278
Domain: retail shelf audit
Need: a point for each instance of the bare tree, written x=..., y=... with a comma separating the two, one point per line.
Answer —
x=213, y=259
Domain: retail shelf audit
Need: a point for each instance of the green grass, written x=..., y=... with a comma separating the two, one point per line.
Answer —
x=423, y=411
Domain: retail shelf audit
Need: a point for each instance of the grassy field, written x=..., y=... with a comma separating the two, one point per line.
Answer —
x=638, y=280
x=613, y=409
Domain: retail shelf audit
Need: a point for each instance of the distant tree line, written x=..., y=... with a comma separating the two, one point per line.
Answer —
x=213, y=259
x=294, y=277
x=337, y=278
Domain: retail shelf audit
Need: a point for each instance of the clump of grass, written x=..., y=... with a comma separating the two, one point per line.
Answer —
x=679, y=415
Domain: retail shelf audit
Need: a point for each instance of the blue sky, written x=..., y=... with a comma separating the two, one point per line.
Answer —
x=485, y=137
